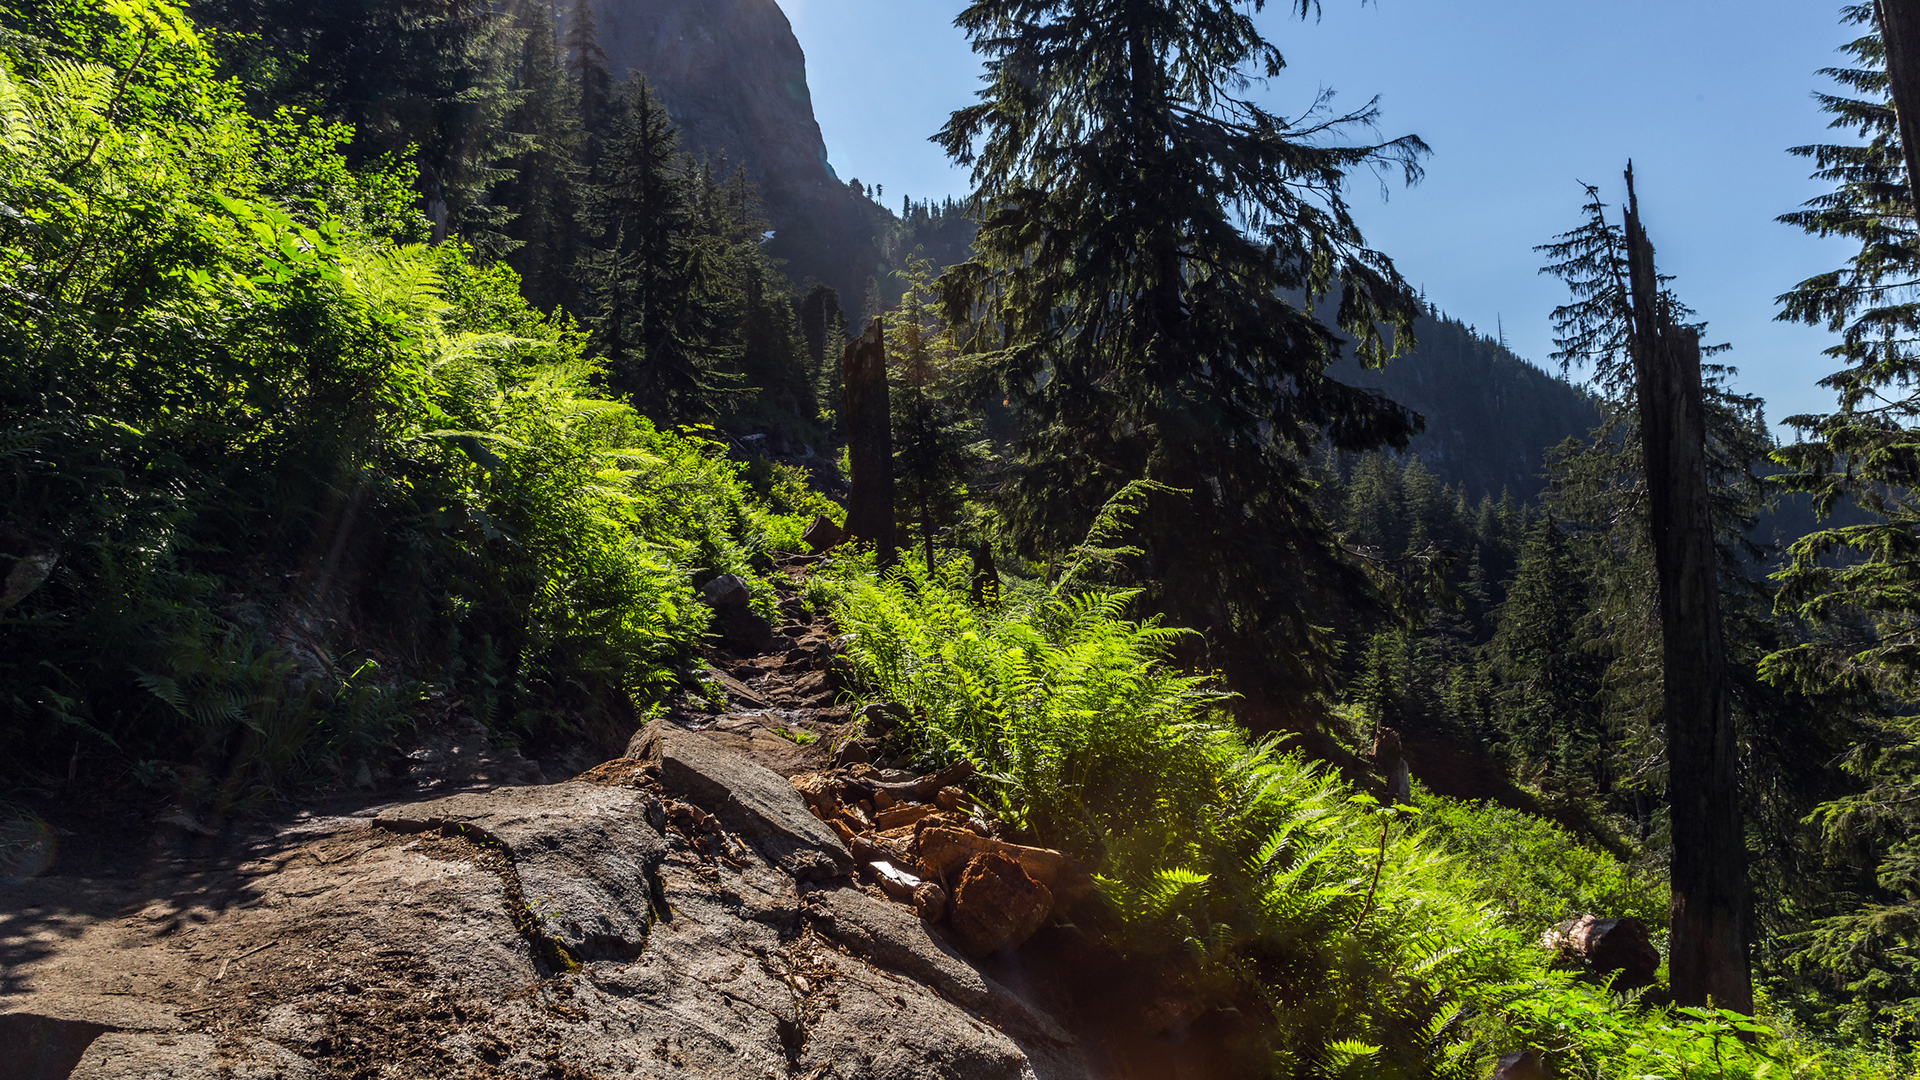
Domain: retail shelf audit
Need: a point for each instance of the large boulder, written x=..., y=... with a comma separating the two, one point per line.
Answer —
x=823, y=535
x=1620, y=948
x=726, y=592
x=583, y=856
x=751, y=800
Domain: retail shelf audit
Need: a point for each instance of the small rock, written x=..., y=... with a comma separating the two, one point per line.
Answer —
x=851, y=753
x=884, y=716
x=744, y=630
x=949, y=798
x=930, y=902
x=1522, y=1065
x=726, y=591
x=997, y=905
x=751, y=800
x=823, y=535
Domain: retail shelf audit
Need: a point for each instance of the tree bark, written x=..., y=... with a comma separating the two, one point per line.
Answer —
x=1900, y=33
x=869, y=442
x=1707, y=957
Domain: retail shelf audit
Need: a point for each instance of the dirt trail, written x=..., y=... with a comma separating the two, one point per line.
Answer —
x=475, y=921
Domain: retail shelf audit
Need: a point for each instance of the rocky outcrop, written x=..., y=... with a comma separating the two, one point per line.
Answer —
x=679, y=913
x=734, y=79
x=569, y=930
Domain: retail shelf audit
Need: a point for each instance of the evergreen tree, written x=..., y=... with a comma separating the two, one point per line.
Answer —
x=541, y=191
x=937, y=441
x=774, y=359
x=1856, y=584
x=1141, y=229
x=426, y=81
x=824, y=326
x=664, y=311
x=587, y=61
x=1546, y=704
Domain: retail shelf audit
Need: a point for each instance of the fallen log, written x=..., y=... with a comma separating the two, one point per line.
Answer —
x=924, y=788
x=899, y=816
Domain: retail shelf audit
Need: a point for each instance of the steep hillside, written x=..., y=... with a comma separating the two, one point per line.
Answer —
x=735, y=80
x=1490, y=415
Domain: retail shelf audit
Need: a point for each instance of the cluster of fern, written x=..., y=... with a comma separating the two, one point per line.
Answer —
x=275, y=479
x=1374, y=944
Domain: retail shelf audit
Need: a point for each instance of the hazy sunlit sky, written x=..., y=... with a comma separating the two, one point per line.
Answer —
x=1520, y=100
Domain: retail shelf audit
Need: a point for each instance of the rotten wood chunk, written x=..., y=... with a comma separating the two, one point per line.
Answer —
x=900, y=816
x=894, y=881
x=928, y=899
x=1621, y=948
x=872, y=848
x=998, y=904
x=944, y=850
x=922, y=789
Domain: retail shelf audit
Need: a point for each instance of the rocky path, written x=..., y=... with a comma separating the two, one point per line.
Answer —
x=674, y=913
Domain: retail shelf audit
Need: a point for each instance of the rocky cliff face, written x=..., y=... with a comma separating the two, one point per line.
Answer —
x=734, y=79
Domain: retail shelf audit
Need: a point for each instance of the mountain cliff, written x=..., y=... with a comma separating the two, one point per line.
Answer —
x=734, y=78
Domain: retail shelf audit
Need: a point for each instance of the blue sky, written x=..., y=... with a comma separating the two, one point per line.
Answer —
x=1520, y=100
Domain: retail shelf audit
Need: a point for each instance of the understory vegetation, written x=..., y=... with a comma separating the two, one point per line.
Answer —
x=279, y=479
x=1381, y=940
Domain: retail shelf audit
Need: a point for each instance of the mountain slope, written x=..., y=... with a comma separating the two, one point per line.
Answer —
x=1491, y=416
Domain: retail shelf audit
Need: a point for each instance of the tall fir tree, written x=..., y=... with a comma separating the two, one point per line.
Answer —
x=938, y=442
x=664, y=309
x=587, y=61
x=1858, y=585
x=542, y=190
x=1547, y=704
x=1142, y=227
x=824, y=326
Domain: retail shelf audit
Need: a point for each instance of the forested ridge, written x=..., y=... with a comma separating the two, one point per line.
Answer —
x=371, y=370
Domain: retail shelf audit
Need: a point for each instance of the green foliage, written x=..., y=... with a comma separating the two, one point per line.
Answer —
x=938, y=442
x=1550, y=682
x=1534, y=872
x=1245, y=866
x=275, y=479
x=427, y=84
x=1141, y=230
x=1375, y=947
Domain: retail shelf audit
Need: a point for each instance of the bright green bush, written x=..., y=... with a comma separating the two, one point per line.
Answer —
x=1260, y=878
x=292, y=482
x=1535, y=872
x=1251, y=870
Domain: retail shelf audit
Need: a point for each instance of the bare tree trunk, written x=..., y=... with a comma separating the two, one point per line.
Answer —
x=926, y=530
x=869, y=442
x=1708, y=953
x=1900, y=33
x=986, y=577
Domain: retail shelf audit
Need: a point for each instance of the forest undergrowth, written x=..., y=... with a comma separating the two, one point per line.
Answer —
x=278, y=480
x=1375, y=939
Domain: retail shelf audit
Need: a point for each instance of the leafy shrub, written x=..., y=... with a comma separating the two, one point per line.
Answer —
x=1535, y=872
x=1375, y=947
x=1248, y=868
x=287, y=481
